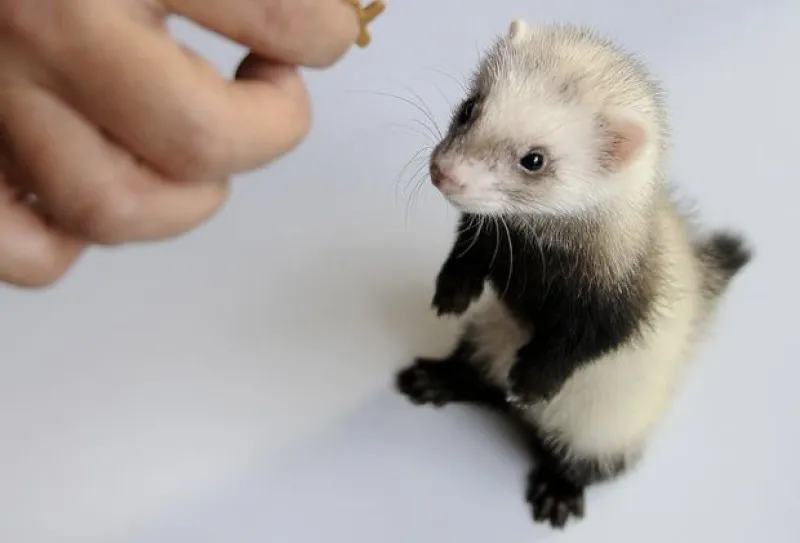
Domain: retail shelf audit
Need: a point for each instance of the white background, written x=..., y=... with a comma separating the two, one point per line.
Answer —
x=234, y=386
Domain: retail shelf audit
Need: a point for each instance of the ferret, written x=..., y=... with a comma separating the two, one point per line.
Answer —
x=582, y=285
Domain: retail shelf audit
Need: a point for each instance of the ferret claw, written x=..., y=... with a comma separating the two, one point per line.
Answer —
x=553, y=499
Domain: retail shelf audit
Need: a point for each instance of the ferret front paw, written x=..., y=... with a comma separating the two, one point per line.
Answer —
x=454, y=294
x=422, y=384
x=533, y=379
x=525, y=388
x=553, y=499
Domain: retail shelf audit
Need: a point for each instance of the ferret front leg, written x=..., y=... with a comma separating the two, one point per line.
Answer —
x=456, y=289
x=563, y=342
x=451, y=380
x=569, y=332
x=538, y=372
x=463, y=275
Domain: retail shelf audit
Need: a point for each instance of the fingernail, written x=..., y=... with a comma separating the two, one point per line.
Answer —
x=258, y=68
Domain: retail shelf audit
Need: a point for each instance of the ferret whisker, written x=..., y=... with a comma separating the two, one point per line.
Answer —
x=416, y=156
x=428, y=136
x=411, y=202
x=466, y=228
x=418, y=189
x=474, y=238
x=450, y=76
x=447, y=100
x=417, y=181
x=497, y=241
x=409, y=205
x=434, y=135
x=407, y=101
x=510, y=256
x=415, y=176
x=427, y=110
x=410, y=186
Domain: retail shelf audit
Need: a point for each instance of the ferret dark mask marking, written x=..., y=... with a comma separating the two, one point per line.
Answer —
x=582, y=287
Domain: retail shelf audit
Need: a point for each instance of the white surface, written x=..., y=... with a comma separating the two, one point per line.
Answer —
x=233, y=386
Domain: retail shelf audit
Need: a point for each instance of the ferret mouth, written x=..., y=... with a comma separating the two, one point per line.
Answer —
x=463, y=196
x=476, y=206
x=455, y=193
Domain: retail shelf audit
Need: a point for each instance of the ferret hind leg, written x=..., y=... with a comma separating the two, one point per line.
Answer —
x=558, y=481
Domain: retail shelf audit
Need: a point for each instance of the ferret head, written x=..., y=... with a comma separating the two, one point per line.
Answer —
x=558, y=122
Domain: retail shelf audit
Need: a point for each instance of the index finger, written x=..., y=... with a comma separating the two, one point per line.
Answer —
x=302, y=32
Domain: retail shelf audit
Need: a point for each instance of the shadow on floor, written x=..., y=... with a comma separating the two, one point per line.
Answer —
x=390, y=472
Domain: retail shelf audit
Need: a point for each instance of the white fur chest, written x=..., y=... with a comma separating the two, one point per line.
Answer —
x=608, y=407
x=496, y=336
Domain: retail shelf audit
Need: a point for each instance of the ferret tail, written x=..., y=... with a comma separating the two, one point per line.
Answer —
x=722, y=256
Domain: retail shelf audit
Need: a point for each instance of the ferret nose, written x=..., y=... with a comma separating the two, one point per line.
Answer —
x=442, y=180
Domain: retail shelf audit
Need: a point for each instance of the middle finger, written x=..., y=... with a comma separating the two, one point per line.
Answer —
x=88, y=185
x=169, y=108
x=302, y=32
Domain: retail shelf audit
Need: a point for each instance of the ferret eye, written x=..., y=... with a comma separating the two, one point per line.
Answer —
x=466, y=111
x=533, y=162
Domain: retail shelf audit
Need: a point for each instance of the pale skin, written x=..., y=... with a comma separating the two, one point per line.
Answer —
x=112, y=133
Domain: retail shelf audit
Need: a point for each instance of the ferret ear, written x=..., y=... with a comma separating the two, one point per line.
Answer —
x=624, y=139
x=518, y=30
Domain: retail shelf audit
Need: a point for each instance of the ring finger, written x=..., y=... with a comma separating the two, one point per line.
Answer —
x=90, y=186
x=33, y=253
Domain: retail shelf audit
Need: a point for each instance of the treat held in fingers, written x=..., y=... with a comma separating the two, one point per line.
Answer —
x=366, y=15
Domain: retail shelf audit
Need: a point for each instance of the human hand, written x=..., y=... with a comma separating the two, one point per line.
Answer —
x=112, y=132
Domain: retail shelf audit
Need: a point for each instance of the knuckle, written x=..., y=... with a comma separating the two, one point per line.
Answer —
x=110, y=217
x=205, y=151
